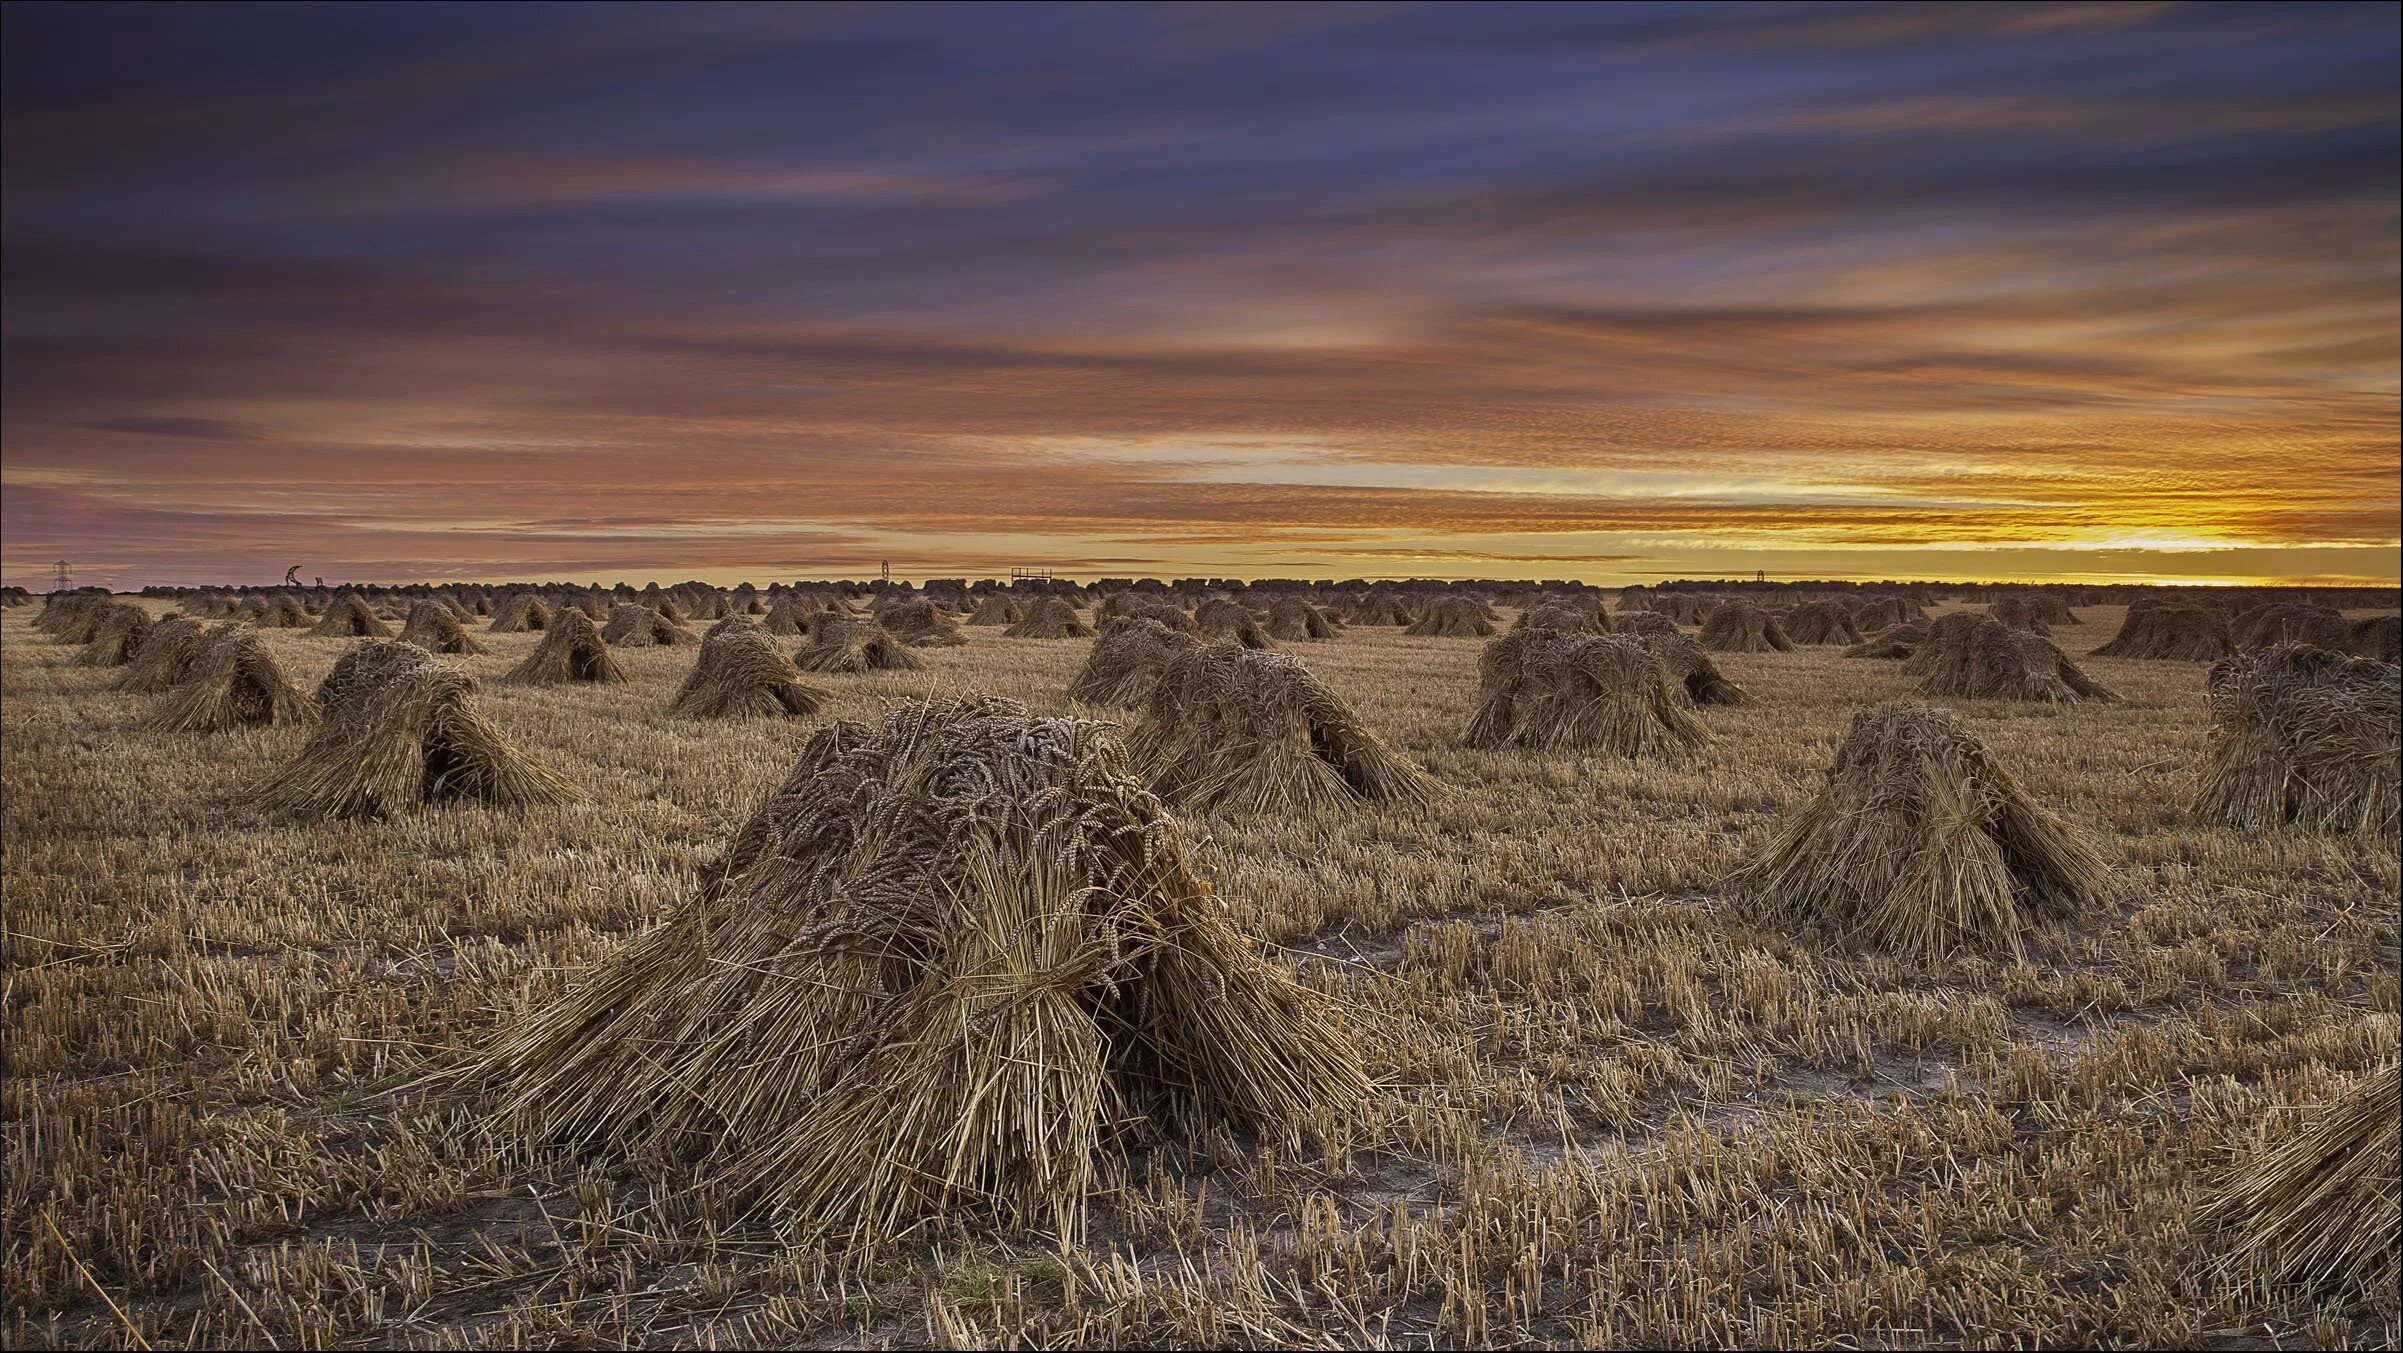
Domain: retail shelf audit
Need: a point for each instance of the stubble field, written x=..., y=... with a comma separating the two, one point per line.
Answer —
x=1607, y=1110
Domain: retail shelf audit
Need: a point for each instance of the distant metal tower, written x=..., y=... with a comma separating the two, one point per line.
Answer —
x=885, y=570
x=64, y=574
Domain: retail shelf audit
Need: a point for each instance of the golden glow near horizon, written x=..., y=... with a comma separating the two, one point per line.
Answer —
x=1554, y=292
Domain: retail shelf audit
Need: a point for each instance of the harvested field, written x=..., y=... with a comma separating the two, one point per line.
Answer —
x=1608, y=1106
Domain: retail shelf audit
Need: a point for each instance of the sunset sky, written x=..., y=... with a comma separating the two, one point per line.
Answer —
x=1622, y=293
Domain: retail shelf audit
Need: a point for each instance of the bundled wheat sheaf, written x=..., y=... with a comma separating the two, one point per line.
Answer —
x=1821, y=622
x=2377, y=636
x=632, y=626
x=348, y=616
x=2304, y=737
x=1126, y=661
x=1986, y=660
x=1692, y=675
x=789, y=616
x=1049, y=618
x=2319, y=1209
x=1379, y=608
x=2281, y=622
x=2019, y=613
x=1682, y=608
x=571, y=650
x=918, y=624
x=998, y=609
x=165, y=657
x=400, y=729
x=1160, y=612
x=1574, y=617
x=117, y=634
x=741, y=674
x=1741, y=627
x=435, y=628
x=68, y=617
x=1295, y=620
x=1642, y=622
x=279, y=612
x=1453, y=617
x=2153, y=629
x=1894, y=643
x=1225, y=621
x=941, y=968
x=1232, y=727
x=842, y=644
x=1919, y=845
x=1883, y=609
x=1561, y=688
x=234, y=683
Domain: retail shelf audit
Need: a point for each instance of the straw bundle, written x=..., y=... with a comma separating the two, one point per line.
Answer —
x=1918, y=844
x=1295, y=619
x=1944, y=634
x=281, y=612
x=741, y=674
x=1126, y=661
x=2017, y=612
x=2318, y=1211
x=1219, y=619
x=1453, y=617
x=1561, y=688
x=2305, y=737
x=400, y=730
x=632, y=626
x=1379, y=608
x=234, y=683
x=1232, y=727
x=1741, y=627
x=165, y=657
x=1571, y=617
x=519, y=614
x=998, y=609
x=1821, y=622
x=1683, y=608
x=918, y=624
x=118, y=633
x=433, y=627
x=1893, y=643
x=1642, y=622
x=944, y=966
x=845, y=644
x=69, y=617
x=2289, y=622
x=789, y=616
x=347, y=616
x=572, y=649
x=2377, y=636
x=1692, y=675
x=1159, y=612
x=2051, y=608
x=1984, y=660
x=1883, y=609
x=1049, y=618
